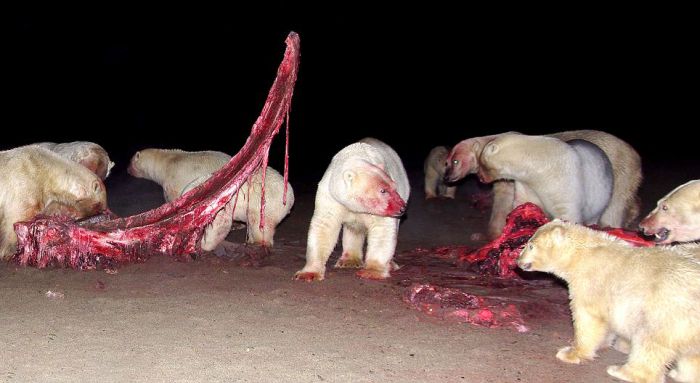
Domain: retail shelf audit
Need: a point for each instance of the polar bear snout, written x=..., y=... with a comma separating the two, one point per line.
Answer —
x=525, y=266
x=650, y=226
x=396, y=206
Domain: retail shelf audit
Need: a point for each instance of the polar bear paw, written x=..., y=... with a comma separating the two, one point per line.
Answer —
x=568, y=355
x=373, y=274
x=349, y=261
x=308, y=276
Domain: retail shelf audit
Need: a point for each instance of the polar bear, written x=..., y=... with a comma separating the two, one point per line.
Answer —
x=622, y=210
x=434, y=170
x=364, y=190
x=569, y=180
x=35, y=180
x=676, y=217
x=88, y=154
x=647, y=295
x=178, y=171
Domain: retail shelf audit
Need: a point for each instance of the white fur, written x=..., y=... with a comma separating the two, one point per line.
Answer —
x=337, y=205
x=622, y=210
x=35, y=180
x=569, y=182
x=178, y=171
x=88, y=154
x=649, y=296
x=678, y=213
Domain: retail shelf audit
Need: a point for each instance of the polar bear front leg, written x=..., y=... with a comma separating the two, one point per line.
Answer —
x=503, y=203
x=432, y=178
x=219, y=228
x=448, y=191
x=590, y=333
x=353, y=241
x=323, y=235
x=687, y=369
x=381, y=244
x=257, y=236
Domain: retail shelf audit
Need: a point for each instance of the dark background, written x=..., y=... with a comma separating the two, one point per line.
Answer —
x=415, y=77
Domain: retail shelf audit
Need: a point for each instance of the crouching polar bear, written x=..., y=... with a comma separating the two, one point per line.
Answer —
x=649, y=296
x=676, y=217
x=364, y=190
x=434, y=170
x=178, y=171
x=569, y=180
x=35, y=180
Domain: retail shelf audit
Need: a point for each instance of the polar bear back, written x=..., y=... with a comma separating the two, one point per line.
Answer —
x=597, y=173
x=393, y=165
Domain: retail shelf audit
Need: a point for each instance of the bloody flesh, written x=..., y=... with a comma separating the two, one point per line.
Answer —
x=489, y=292
x=498, y=257
x=176, y=228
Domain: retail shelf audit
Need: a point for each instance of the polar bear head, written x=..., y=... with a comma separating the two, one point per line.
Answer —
x=142, y=162
x=543, y=251
x=463, y=159
x=364, y=187
x=676, y=217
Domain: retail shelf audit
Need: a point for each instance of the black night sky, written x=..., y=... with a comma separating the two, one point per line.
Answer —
x=414, y=77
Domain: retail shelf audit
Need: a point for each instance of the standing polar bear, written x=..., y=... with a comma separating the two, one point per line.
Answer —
x=676, y=217
x=434, y=169
x=647, y=295
x=88, y=154
x=35, y=180
x=623, y=208
x=364, y=190
x=178, y=171
x=569, y=180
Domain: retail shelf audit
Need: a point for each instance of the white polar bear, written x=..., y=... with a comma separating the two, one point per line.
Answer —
x=434, y=169
x=648, y=296
x=570, y=180
x=35, y=180
x=88, y=154
x=676, y=217
x=623, y=208
x=364, y=190
x=178, y=171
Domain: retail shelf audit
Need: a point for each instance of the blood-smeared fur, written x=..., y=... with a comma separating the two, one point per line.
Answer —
x=364, y=191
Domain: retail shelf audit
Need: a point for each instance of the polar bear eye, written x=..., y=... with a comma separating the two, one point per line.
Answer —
x=664, y=207
x=455, y=162
x=529, y=246
x=382, y=191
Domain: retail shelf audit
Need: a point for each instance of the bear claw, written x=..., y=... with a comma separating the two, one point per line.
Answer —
x=308, y=276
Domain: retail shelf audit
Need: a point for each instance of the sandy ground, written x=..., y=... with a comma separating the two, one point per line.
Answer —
x=212, y=320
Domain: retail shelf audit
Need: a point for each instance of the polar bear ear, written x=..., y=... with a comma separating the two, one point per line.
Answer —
x=96, y=186
x=557, y=234
x=491, y=148
x=476, y=147
x=78, y=190
x=348, y=177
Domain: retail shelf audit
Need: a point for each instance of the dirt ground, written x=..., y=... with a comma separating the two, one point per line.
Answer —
x=213, y=320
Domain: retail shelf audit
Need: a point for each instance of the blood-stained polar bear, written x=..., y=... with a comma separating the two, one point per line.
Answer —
x=364, y=190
